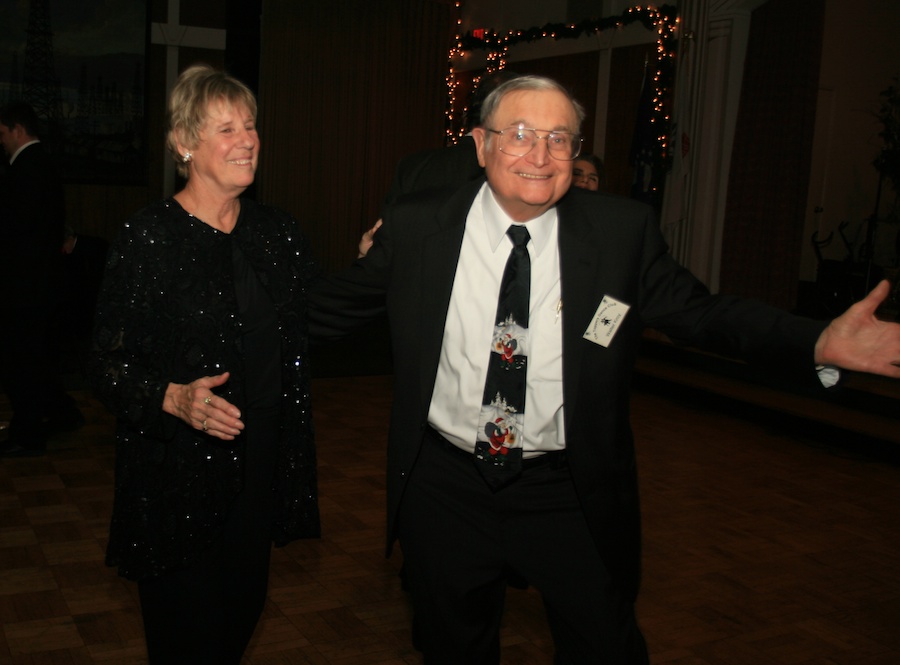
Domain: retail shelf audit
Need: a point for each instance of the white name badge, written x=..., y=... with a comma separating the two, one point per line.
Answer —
x=606, y=321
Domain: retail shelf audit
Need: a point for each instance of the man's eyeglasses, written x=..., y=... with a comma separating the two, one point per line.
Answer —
x=519, y=140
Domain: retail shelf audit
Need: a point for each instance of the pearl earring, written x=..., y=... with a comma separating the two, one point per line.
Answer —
x=187, y=157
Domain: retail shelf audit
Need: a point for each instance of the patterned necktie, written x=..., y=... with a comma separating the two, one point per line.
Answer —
x=498, y=449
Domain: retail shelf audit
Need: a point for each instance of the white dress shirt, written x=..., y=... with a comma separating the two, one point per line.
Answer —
x=462, y=370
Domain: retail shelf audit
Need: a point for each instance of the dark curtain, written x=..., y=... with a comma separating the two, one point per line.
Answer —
x=346, y=89
x=242, y=43
x=627, y=70
x=770, y=165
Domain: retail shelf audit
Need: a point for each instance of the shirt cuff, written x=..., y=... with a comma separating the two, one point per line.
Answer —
x=829, y=375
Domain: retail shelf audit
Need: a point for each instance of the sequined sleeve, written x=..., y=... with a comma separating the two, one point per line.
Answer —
x=126, y=372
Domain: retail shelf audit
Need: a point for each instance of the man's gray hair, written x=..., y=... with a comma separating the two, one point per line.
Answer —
x=529, y=82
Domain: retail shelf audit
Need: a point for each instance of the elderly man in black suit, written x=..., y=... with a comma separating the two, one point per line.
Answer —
x=484, y=481
x=32, y=218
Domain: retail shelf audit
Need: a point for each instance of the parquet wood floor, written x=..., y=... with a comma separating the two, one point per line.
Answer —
x=763, y=546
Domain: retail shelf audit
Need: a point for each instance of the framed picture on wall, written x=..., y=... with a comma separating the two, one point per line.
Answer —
x=82, y=66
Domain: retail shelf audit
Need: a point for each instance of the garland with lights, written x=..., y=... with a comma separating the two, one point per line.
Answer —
x=663, y=20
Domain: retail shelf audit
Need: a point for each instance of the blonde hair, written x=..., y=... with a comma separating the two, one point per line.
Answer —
x=189, y=102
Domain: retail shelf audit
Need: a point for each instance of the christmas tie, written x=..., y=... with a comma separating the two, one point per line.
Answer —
x=498, y=450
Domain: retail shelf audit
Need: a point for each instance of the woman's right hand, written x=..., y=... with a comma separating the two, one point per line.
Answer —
x=196, y=405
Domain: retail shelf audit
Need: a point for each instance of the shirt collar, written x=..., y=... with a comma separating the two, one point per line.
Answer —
x=496, y=221
x=21, y=148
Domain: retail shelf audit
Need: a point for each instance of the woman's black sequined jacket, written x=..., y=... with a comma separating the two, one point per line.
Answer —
x=167, y=312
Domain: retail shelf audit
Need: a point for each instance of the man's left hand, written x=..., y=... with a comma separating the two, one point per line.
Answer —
x=858, y=341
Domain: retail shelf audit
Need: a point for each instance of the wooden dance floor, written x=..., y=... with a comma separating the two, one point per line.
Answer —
x=766, y=543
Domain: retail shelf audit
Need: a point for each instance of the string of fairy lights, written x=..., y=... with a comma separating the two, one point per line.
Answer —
x=662, y=20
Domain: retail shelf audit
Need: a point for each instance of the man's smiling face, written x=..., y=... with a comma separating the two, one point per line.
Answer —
x=527, y=186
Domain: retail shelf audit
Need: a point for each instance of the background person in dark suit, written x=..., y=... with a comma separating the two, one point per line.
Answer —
x=32, y=216
x=600, y=274
x=453, y=165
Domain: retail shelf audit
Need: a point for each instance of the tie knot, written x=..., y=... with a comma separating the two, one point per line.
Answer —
x=519, y=235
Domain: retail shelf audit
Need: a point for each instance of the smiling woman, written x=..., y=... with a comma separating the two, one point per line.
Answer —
x=214, y=142
x=200, y=352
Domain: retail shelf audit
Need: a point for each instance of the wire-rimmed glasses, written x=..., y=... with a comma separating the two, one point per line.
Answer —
x=519, y=140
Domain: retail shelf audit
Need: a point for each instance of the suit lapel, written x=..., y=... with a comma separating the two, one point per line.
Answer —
x=579, y=276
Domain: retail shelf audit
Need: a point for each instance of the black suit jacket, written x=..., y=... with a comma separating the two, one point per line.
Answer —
x=32, y=218
x=608, y=246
